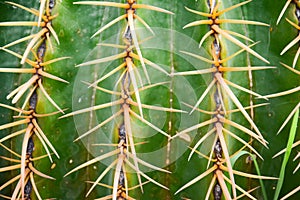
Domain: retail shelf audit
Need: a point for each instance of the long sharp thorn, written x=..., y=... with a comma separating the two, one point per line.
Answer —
x=238, y=104
x=24, y=88
x=198, y=178
x=44, y=144
x=102, y=60
x=54, y=60
x=23, y=156
x=282, y=151
x=136, y=43
x=117, y=102
x=153, y=85
x=10, y=159
x=198, y=57
x=211, y=185
x=18, y=41
x=104, y=3
x=233, y=7
x=283, y=93
x=245, y=130
x=297, y=189
x=90, y=162
x=292, y=43
x=126, y=181
x=109, y=24
x=145, y=176
x=135, y=86
x=108, y=74
x=203, y=95
x=34, y=187
x=248, y=175
x=289, y=117
x=48, y=97
x=239, y=35
x=12, y=124
x=290, y=68
x=22, y=7
x=283, y=11
x=227, y=157
x=117, y=175
x=17, y=70
x=245, y=193
x=45, y=74
x=195, y=72
x=236, y=53
x=134, y=187
x=19, y=23
x=151, y=64
x=12, y=135
x=223, y=185
x=148, y=164
x=296, y=169
x=298, y=155
x=200, y=141
x=197, y=12
x=35, y=171
x=49, y=42
x=10, y=182
x=242, y=141
x=42, y=7
x=148, y=7
x=238, y=43
x=196, y=23
x=205, y=37
x=156, y=107
x=237, y=21
x=9, y=150
x=212, y=151
x=53, y=32
x=205, y=123
x=101, y=176
x=44, y=137
x=296, y=57
x=102, y=89
x=32, y=42
x=240, y=69
x=244, y=89
x=32, y=90
x=131, y=142
x=293, y=24
x=18, y=187
x=149, y=124
x=144, y=23
x=99, y=125
x=254, y=176
x=9, y=168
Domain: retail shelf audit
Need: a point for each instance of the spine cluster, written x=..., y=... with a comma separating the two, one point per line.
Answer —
x=125, y=155
x=222, y=124
x=28, y=114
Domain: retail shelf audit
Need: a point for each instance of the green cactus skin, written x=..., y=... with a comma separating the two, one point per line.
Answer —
x=74, y=26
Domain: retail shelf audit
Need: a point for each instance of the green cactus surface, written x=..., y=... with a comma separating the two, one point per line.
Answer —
x=144, y=99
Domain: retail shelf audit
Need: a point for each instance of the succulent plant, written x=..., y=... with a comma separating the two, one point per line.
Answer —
x=149, y=99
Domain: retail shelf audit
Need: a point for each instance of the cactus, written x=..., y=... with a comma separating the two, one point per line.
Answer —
x=149, y=99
